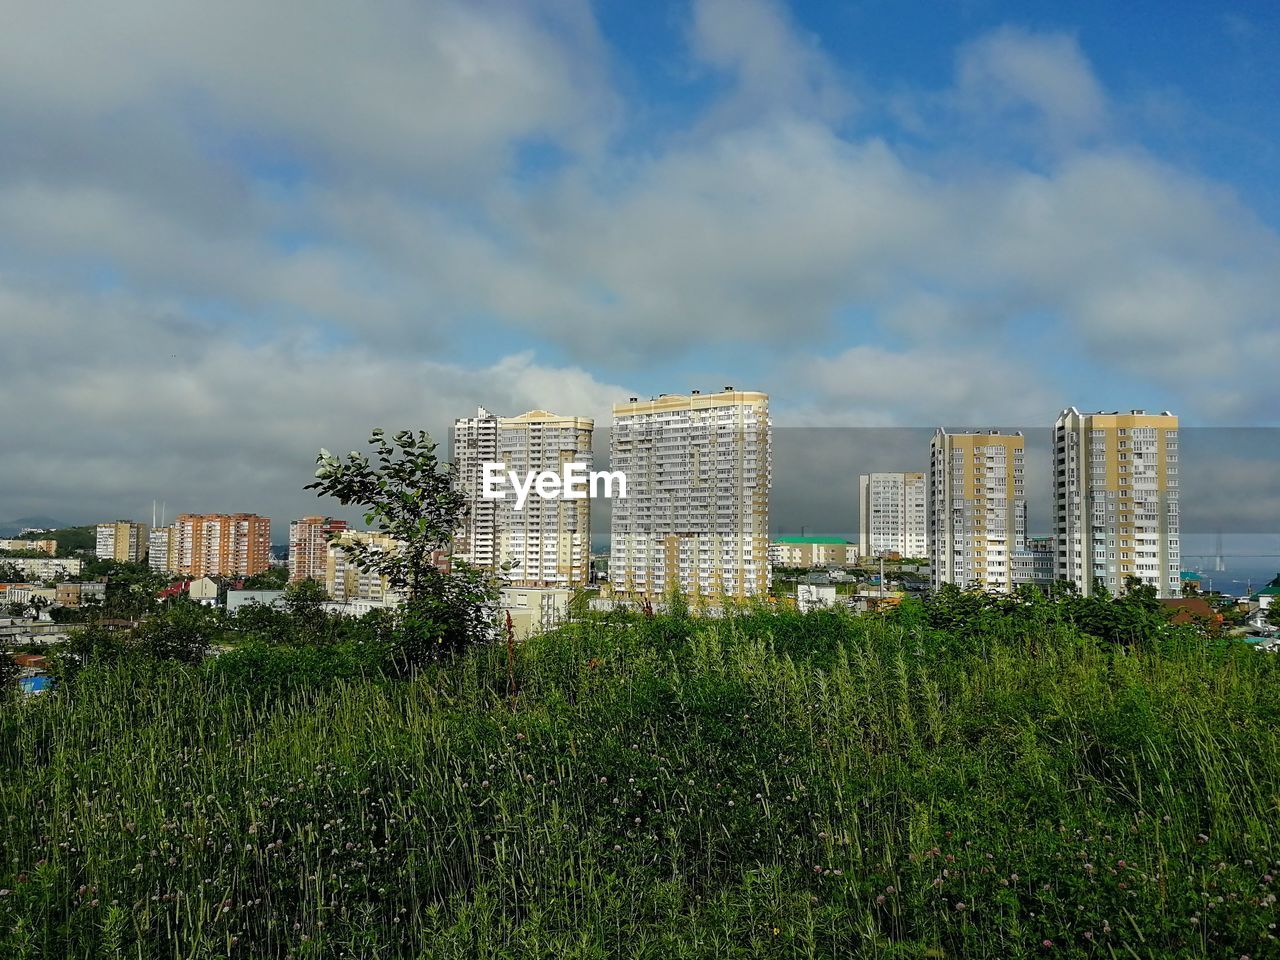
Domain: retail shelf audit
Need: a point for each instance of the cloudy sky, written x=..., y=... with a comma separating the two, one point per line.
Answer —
x=232, y=233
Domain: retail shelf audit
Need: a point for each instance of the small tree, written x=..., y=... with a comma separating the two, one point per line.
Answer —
x=181, y=631
x=409, y=495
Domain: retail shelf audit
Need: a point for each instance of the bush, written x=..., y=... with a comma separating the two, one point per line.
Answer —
x=262, y=668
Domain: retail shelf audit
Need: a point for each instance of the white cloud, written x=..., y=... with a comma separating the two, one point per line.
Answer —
x=875, y=386
x=775, y=67
x=1012, y=71
x=405, y=89
x=143, y=406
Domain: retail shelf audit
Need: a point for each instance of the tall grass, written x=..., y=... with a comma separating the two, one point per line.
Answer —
x=764, y=785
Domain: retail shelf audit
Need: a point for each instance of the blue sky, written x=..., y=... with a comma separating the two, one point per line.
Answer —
x=241, y=232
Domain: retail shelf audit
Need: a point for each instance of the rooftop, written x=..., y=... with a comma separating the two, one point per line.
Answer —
x=826, y=540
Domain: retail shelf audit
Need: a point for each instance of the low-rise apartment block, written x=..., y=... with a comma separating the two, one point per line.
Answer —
x=48, y=547
x=45, y=568
x=809, y=552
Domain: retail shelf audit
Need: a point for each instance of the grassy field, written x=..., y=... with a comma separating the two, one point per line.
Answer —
x=767, y=785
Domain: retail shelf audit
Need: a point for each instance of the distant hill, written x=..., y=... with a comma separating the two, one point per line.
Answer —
x=70, y=540
x=11, y=528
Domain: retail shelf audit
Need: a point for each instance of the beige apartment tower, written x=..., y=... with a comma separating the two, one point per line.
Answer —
x=546, y=542
x=123, y=540
x=977, y=510
x=309, y=547
x=696, y=514
x=1116, y=500
x=220, y=544
x=893, y=514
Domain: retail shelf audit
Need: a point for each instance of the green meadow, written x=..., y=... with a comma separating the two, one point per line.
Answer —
x=769, y=784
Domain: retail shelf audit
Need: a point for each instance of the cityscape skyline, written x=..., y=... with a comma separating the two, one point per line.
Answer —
x=1033, y=565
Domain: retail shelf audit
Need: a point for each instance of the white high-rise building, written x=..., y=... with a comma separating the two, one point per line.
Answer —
x=1116, y=500
x=160, y=550
x=696, y=514
x=977, y=512
x=546, y=542
x=893, y=514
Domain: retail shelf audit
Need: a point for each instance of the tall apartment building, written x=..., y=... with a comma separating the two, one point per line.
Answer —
x=123, y=540
x=309, y=547
x=893, y=514
x=548, y=541
x=977, y=511
x=1116, y=500
x=160, y=550
x=347, y=583
x=221, y=544
x=696, y=514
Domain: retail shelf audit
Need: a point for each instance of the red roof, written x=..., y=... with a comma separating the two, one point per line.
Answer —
x=1191, y=610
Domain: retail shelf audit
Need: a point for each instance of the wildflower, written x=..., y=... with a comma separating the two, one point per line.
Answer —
x=1047, y=944
x=960, y=906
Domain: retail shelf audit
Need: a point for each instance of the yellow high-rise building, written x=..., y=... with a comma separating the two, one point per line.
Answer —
x=977, y=510
x=123, y=540
x=1116, y=500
